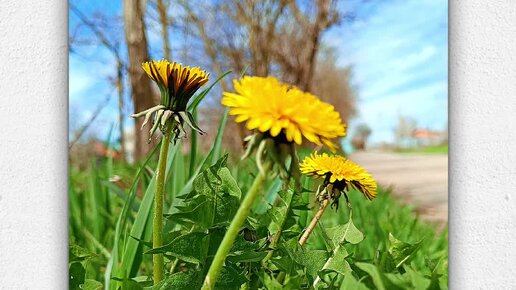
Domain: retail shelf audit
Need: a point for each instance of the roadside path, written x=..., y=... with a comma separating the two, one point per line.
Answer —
x=418, y=179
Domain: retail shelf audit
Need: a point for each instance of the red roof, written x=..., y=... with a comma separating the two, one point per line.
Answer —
x=424, y=134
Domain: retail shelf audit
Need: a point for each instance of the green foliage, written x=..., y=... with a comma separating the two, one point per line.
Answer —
x=378, y=244
x=213, y=201
x=435, y=149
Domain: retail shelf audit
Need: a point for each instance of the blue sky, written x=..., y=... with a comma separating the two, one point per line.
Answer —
x=90, y=71
x=398, y=51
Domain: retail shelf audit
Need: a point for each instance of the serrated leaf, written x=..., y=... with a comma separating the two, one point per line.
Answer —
x=345, y=233
x=337, y=262
x=284, y=262
x=193, y=214
x=433, y=264
x=337, y=236
x=299, y=202
x=386, y=263
x=78, y=254
x=191, y=247
x=241, y=251
x=400, y=251
x=90, y=284
x=245, y=251
x=312, y=260
x=130, y=283
x=229, y=279
x=214, y=199
x=281, y=212
x=180, y=281
x=250, y=256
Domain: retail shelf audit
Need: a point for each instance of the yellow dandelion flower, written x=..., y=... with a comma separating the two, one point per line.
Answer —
x=341, y=172
x=268, y=105
x=177, y=83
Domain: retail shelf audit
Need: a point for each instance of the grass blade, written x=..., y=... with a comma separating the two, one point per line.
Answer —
x=129, y=260
x=197, y=99
x=112, y=265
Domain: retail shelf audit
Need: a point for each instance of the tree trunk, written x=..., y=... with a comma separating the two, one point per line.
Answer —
x=121, y=117
x=321, y=23
x=140, y=84
x=163, y=18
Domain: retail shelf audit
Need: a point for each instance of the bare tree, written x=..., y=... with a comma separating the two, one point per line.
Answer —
x=333, y=84
x=113, y=46
x=138, y=53
x=210, y=44
x=162, y=7
x=79, y=133
x=326, y=16
x=270, y=37
x=274, y=37
x=404, y=130
x=362, y=133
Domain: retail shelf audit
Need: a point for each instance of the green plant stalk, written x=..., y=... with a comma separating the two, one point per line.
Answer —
x=158, y=262
x=234, y=228
x=293, y=173
x=193, y=150
x=277, y=236
x=323, y=205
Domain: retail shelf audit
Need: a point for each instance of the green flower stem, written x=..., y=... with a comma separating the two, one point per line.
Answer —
x=277, y=236
x=296, y=174
x=234, y=229
x=158, y=262
x=323, y=205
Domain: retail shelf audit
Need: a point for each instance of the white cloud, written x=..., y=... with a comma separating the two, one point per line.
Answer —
x=398, y=51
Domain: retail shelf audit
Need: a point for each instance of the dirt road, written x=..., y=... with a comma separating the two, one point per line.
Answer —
x=421, y=180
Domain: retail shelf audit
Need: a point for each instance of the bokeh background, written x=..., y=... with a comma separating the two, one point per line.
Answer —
x=382, y=64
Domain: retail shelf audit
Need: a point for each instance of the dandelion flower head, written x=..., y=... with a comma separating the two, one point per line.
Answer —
x=340, y=171
x=268, y=105
x=177, y=83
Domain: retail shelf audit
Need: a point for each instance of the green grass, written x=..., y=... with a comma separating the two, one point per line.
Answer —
x=436, y=149
x=106, y=231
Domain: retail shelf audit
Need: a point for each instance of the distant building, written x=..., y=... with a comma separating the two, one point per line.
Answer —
x=425, y=137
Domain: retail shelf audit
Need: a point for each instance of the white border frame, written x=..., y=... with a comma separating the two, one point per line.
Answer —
x=482, y=107
x=33, y=142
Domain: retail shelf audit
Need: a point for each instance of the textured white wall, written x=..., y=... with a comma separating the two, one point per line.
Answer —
x=33, y=144
x=33, y=136
x=482, y=204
